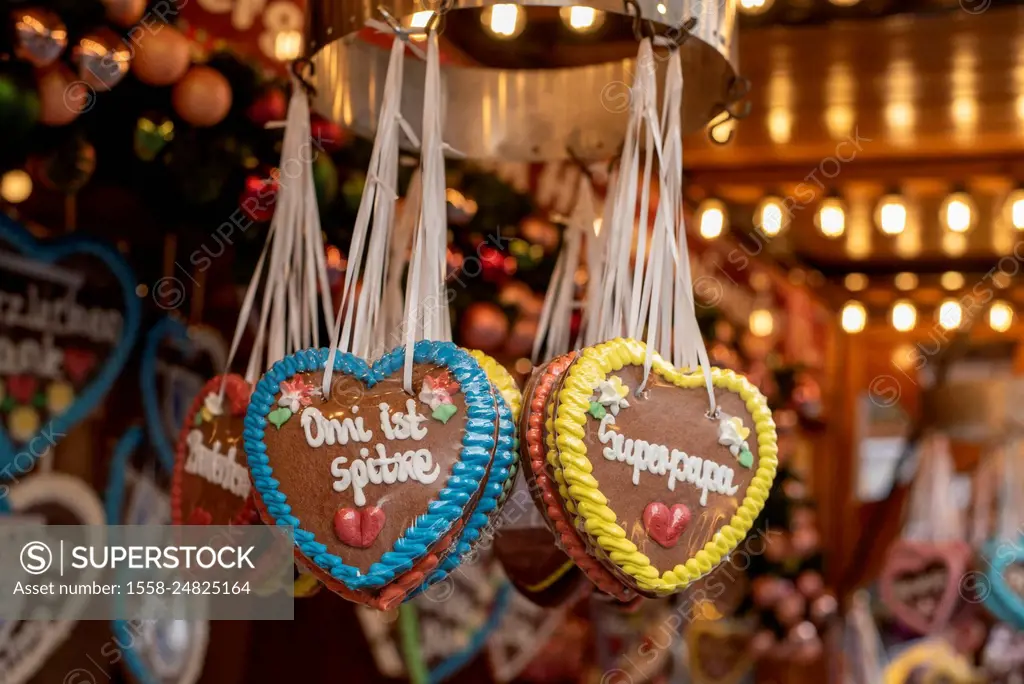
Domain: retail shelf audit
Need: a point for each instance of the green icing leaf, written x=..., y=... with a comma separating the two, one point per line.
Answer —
x=279, y=416
x=597, y=410
x=746, y=458
x=39, y=400
x=198, y=420
x=444, y=411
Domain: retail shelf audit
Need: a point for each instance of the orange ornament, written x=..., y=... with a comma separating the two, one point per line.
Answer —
x=202, y=97
x=161, y=56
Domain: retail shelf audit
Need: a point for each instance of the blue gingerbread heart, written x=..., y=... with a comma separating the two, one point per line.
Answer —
x=31, y=257
x=170, y=411
x=461, y=490
x=1003, y=600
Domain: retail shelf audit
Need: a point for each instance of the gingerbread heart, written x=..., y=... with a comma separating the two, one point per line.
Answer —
x=665, y=525
x=1005, y=580
x=620, y=448
x=422, y=458
x=65, y=300
x=539, y=461
x=719, y=651
x=176, y=361
x=920, y=582
x=210, y=483
x=66, y=500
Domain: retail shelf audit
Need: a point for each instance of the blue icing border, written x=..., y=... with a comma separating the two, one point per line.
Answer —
x=451, y=665
x=51, y=251
x=167, y=328
x=1002, y=601
x=502, y=473
x=462, y=484
x=113, y=496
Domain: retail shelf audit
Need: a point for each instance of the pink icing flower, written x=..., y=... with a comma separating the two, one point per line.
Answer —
x=438, y=390
x=295, y=394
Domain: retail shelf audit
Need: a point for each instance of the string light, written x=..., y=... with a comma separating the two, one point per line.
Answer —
x=504, y=21
x=950, y=314
x=905, y=281
x=891, y=216
x=903, y=316
x=958, y=212
x=754, y=7
x=581, y=19
x=770, y=216
x=831, y=218
x=951, y=280
x=288, y=45
x=854, y=317
x=844, y=3
x=855, y=282
x=761, y=323
x=1015, y=208
x=15, y=186
x=711, y=219
x=1000, y=316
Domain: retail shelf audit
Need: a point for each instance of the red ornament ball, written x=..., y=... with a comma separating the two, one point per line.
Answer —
x=520, y=340
x=484, y=326
x=327, y=135
x=202, y=97
x=258, y=198
x=271, y=105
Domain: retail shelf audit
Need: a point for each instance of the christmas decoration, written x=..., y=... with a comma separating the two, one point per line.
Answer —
x=39, y=35
x=202, y=97
x=483, y=326
x=161, y=56
x=103, y=59
x=124, y=12
x=61, y=97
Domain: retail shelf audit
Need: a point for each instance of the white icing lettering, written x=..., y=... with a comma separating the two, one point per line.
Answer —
x=657, y=459
x=213, y=466
x=60, y=316
x=331, y=431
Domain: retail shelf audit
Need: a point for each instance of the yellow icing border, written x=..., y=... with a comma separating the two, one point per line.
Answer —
x=552, y=578
x=502, y=379
x=592, y=510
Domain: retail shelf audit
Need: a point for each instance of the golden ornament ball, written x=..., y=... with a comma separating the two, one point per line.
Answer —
x=202, y=97
x=161, y=56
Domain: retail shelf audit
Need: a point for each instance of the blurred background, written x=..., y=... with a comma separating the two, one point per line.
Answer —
x=855, y=237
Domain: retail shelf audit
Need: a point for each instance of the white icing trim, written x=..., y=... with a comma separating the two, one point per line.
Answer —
x=44, y=637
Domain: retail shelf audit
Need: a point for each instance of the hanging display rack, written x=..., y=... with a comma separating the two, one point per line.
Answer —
x=533, y=97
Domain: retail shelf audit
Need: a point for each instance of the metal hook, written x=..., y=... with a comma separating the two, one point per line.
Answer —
x=297, y=67
x=734, y=110
x=394, y=24
x=639, y=23
x=678, y=35
x=578, y=161
x=436, y=20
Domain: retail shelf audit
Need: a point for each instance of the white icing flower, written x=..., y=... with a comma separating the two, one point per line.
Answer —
x=612, y=394
x=295, y=394
x=733, y=434
x=213, y=404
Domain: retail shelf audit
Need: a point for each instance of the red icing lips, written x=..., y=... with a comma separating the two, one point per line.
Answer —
x=665, y=525
x=359, y=527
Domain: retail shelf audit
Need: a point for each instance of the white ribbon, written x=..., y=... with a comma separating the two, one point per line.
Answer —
x=427, y=315
x=353, y=326
x=554, y=327
x=1011, y=507
x=932, y=515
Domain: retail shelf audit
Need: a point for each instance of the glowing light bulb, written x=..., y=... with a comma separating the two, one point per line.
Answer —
x=892, y=215
x=761, y=323
x=1000, y=316
x=903, y=316
x=504, y=21
x=1015, y=209
x=958, y=212
x=581, y=19
x=15, y=186
x=854, y=317
x=288, y=45
x=712, y=219
x=770, y=216
x=753, y=7
x=831, y=218
x=905, y=281
x=950, y=314
x=855, y=282
x=951, y=280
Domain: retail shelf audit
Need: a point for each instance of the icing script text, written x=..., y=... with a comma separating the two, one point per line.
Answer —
x=213, y=466
x=376, y=464
x=657, y=459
